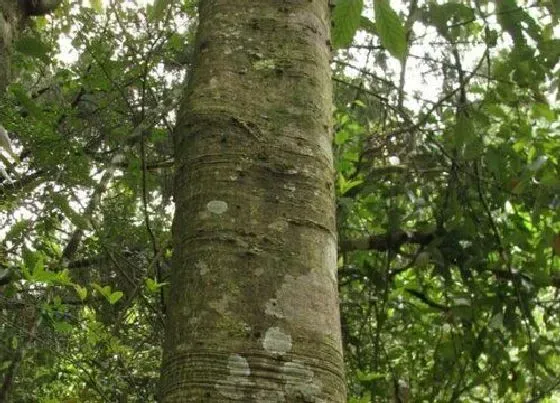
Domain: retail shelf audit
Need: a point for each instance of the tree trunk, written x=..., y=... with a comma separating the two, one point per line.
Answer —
x=9, y=16
x=253, y=312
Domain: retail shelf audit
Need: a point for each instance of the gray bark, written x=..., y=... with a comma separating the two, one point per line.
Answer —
x=253, y=312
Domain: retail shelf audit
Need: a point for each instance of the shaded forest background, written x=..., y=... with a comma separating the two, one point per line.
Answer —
x=446, y=134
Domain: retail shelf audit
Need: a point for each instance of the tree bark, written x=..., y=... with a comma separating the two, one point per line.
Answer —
x=9, y=18
x=253, y=312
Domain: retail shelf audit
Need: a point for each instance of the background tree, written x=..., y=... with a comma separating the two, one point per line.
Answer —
x=447, y=206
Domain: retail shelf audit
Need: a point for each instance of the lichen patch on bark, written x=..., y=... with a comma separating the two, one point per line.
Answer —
x=302, y=300
x=271, y=308
x=217, y=206
x=239, y=372
x=277, y=342
x=301, y=383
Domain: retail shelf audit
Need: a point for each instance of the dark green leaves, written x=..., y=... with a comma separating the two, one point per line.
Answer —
x=159, y=7
x=449, y=18
x=96, y=5
x=34, y=47
x=390, y=30
x=465, y=139
x=25, y=101
x=346, y=21
x=516, y=21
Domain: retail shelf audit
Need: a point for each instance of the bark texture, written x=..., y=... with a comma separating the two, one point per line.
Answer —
x=253, y=312
x=9, y=18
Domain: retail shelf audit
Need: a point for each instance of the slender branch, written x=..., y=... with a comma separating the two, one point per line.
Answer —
x=385, y=242
x=425, y=299
x=408, y=27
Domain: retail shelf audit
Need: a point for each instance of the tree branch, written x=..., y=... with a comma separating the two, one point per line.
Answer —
x=384, y=242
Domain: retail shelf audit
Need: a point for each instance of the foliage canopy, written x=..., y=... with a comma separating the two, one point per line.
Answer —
x=448, y=188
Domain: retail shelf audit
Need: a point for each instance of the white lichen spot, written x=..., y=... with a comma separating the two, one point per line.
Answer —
x=221, y=305
x=217, y=206
x=269, y=395
x=259, y=271
x=276, y=341
x=271, y=308
x=233, y=178
x=204, y=215
x=213, y=82
x=330, y=258
x=290, y=187
x=266, y=64
x=202, y=268
x=311, y=300
x=394, y=160
x=292, y=171
x=300, y=382
x=278, y=225
x=233, y=386
x=242, y=243
x=182, y=347
x=238, y=366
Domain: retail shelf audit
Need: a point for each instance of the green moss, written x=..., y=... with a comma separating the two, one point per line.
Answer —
x=266, y=64
x=231, y=327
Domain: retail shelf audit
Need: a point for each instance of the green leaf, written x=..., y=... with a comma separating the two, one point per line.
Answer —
x=344, y=185
x=497, y=322
x=556, y=244
x=82, y=292
x=550, y=52
x=111, y=297
x=96, y=5
x=158, y=11
x=367, y=25
x=26, y=101
x=442, y=16
x=340, y=137
x=346, y=21
x=114, y=297
x=63, y=327
x=34, y=47
x=464, y=132
x=391, y=32
x=32, y=259
x=152, y=285
x=370, y=376
x=366, y=398
x=105, y=291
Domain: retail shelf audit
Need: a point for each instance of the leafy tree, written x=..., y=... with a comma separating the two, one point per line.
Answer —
x=447, y=208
